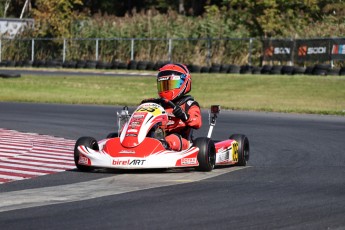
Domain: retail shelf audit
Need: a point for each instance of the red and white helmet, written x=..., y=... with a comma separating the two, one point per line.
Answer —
x=173, y=81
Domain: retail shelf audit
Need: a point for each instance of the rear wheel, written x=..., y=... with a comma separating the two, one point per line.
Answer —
x=206, y=155
x=88, y=142
x=243, y=148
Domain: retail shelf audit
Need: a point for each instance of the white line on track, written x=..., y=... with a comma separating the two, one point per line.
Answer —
x=113, y=185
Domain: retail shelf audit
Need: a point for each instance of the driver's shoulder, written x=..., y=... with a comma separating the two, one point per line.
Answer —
x=187, y=101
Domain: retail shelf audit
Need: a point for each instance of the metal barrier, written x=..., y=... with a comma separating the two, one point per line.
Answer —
x=198, y=51
x=201, y=51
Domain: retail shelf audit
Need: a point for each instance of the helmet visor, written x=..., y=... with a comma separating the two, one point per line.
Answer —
x=167, y=80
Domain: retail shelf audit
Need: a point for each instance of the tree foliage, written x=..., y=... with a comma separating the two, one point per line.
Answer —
x=54, y=18
x=256, y=18
x=271, y=17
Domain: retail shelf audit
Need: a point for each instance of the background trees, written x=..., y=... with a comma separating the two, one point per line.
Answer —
x=269, y=18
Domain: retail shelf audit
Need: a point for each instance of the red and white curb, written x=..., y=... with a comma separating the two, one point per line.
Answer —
x=28, y=155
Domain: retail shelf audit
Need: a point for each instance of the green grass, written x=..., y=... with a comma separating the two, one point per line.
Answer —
x=278, y=93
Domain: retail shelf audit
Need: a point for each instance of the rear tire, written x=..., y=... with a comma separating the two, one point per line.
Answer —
x=206, y=155
x=88, y=142
x=243, y=148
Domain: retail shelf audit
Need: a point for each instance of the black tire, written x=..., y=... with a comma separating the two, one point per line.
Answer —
x=215, y=68
x=19, y=63
x=81, y=64
x=334, y=72
x=160, y=64
x=10, y=75
x=53, y=64
x=150, y=65
x=342, y=71
x=205, y=69
x=246, y=69
x=276, y=69
x=122, y=65
x=142, y=65
x=321, y=69
x=256, y=70
x=114, y=64
x=112, y=135
x=132, y=65
x=11, y=63
x=27, y=63
x=41, y=64
x=224, y=68
x=286, y=69
x=88, y=142
x=3, y=63
x=70, y=64
x=103, y=65
x=91, y=64
x=309, y=70
x=243, y=148
x=206, y=155
x=266, y=69
x=194, y=68
x=299, y=70
x=234, y=69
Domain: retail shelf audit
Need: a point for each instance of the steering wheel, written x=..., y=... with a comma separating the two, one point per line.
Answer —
x=160, y=101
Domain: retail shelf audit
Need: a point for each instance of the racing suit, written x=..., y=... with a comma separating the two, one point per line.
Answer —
x=179, y=132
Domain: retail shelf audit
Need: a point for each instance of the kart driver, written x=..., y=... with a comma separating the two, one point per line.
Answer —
x=173, y=83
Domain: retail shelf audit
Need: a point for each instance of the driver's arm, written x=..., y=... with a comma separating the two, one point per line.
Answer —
x=195, y=119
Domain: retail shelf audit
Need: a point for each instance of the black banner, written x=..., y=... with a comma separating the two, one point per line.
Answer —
x=301, y=50
x=313, y=50
x=278, y=50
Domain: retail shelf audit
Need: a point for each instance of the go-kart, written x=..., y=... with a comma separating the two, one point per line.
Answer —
x=139, y=144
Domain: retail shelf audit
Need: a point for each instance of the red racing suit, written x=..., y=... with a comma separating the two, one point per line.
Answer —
x=178, y=132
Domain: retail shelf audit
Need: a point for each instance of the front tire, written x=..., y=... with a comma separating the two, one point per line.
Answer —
x=243, y=148
x=88, y=142
x=206, y=155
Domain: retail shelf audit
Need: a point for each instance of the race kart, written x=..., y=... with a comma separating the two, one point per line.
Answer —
x=139, y=144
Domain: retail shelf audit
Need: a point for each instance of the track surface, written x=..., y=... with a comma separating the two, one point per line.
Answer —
x=296, y=178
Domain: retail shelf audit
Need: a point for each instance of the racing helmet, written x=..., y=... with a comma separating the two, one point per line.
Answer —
x=173, y=81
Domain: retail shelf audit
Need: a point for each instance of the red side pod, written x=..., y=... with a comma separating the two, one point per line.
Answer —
x=223, y=144
x=224, y=152
x=149, y=146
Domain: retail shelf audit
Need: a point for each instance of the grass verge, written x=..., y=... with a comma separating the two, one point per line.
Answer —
x=273, y=93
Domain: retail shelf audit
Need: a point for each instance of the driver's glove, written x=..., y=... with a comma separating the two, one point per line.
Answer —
x=178, y=112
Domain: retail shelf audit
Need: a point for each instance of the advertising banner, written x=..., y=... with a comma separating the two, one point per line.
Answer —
x=338, y=48
x=278, y=50
x=313, y=50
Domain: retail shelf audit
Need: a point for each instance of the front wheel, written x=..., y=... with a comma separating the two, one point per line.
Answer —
x=243, y=148
x=206, y=155
x=88, y=142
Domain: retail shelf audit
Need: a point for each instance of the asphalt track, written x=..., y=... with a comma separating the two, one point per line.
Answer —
x=69, y=72
x=295, y=178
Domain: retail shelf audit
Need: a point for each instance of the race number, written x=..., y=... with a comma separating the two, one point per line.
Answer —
x=155, y=110
x=147, y=109
x=235, y=151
